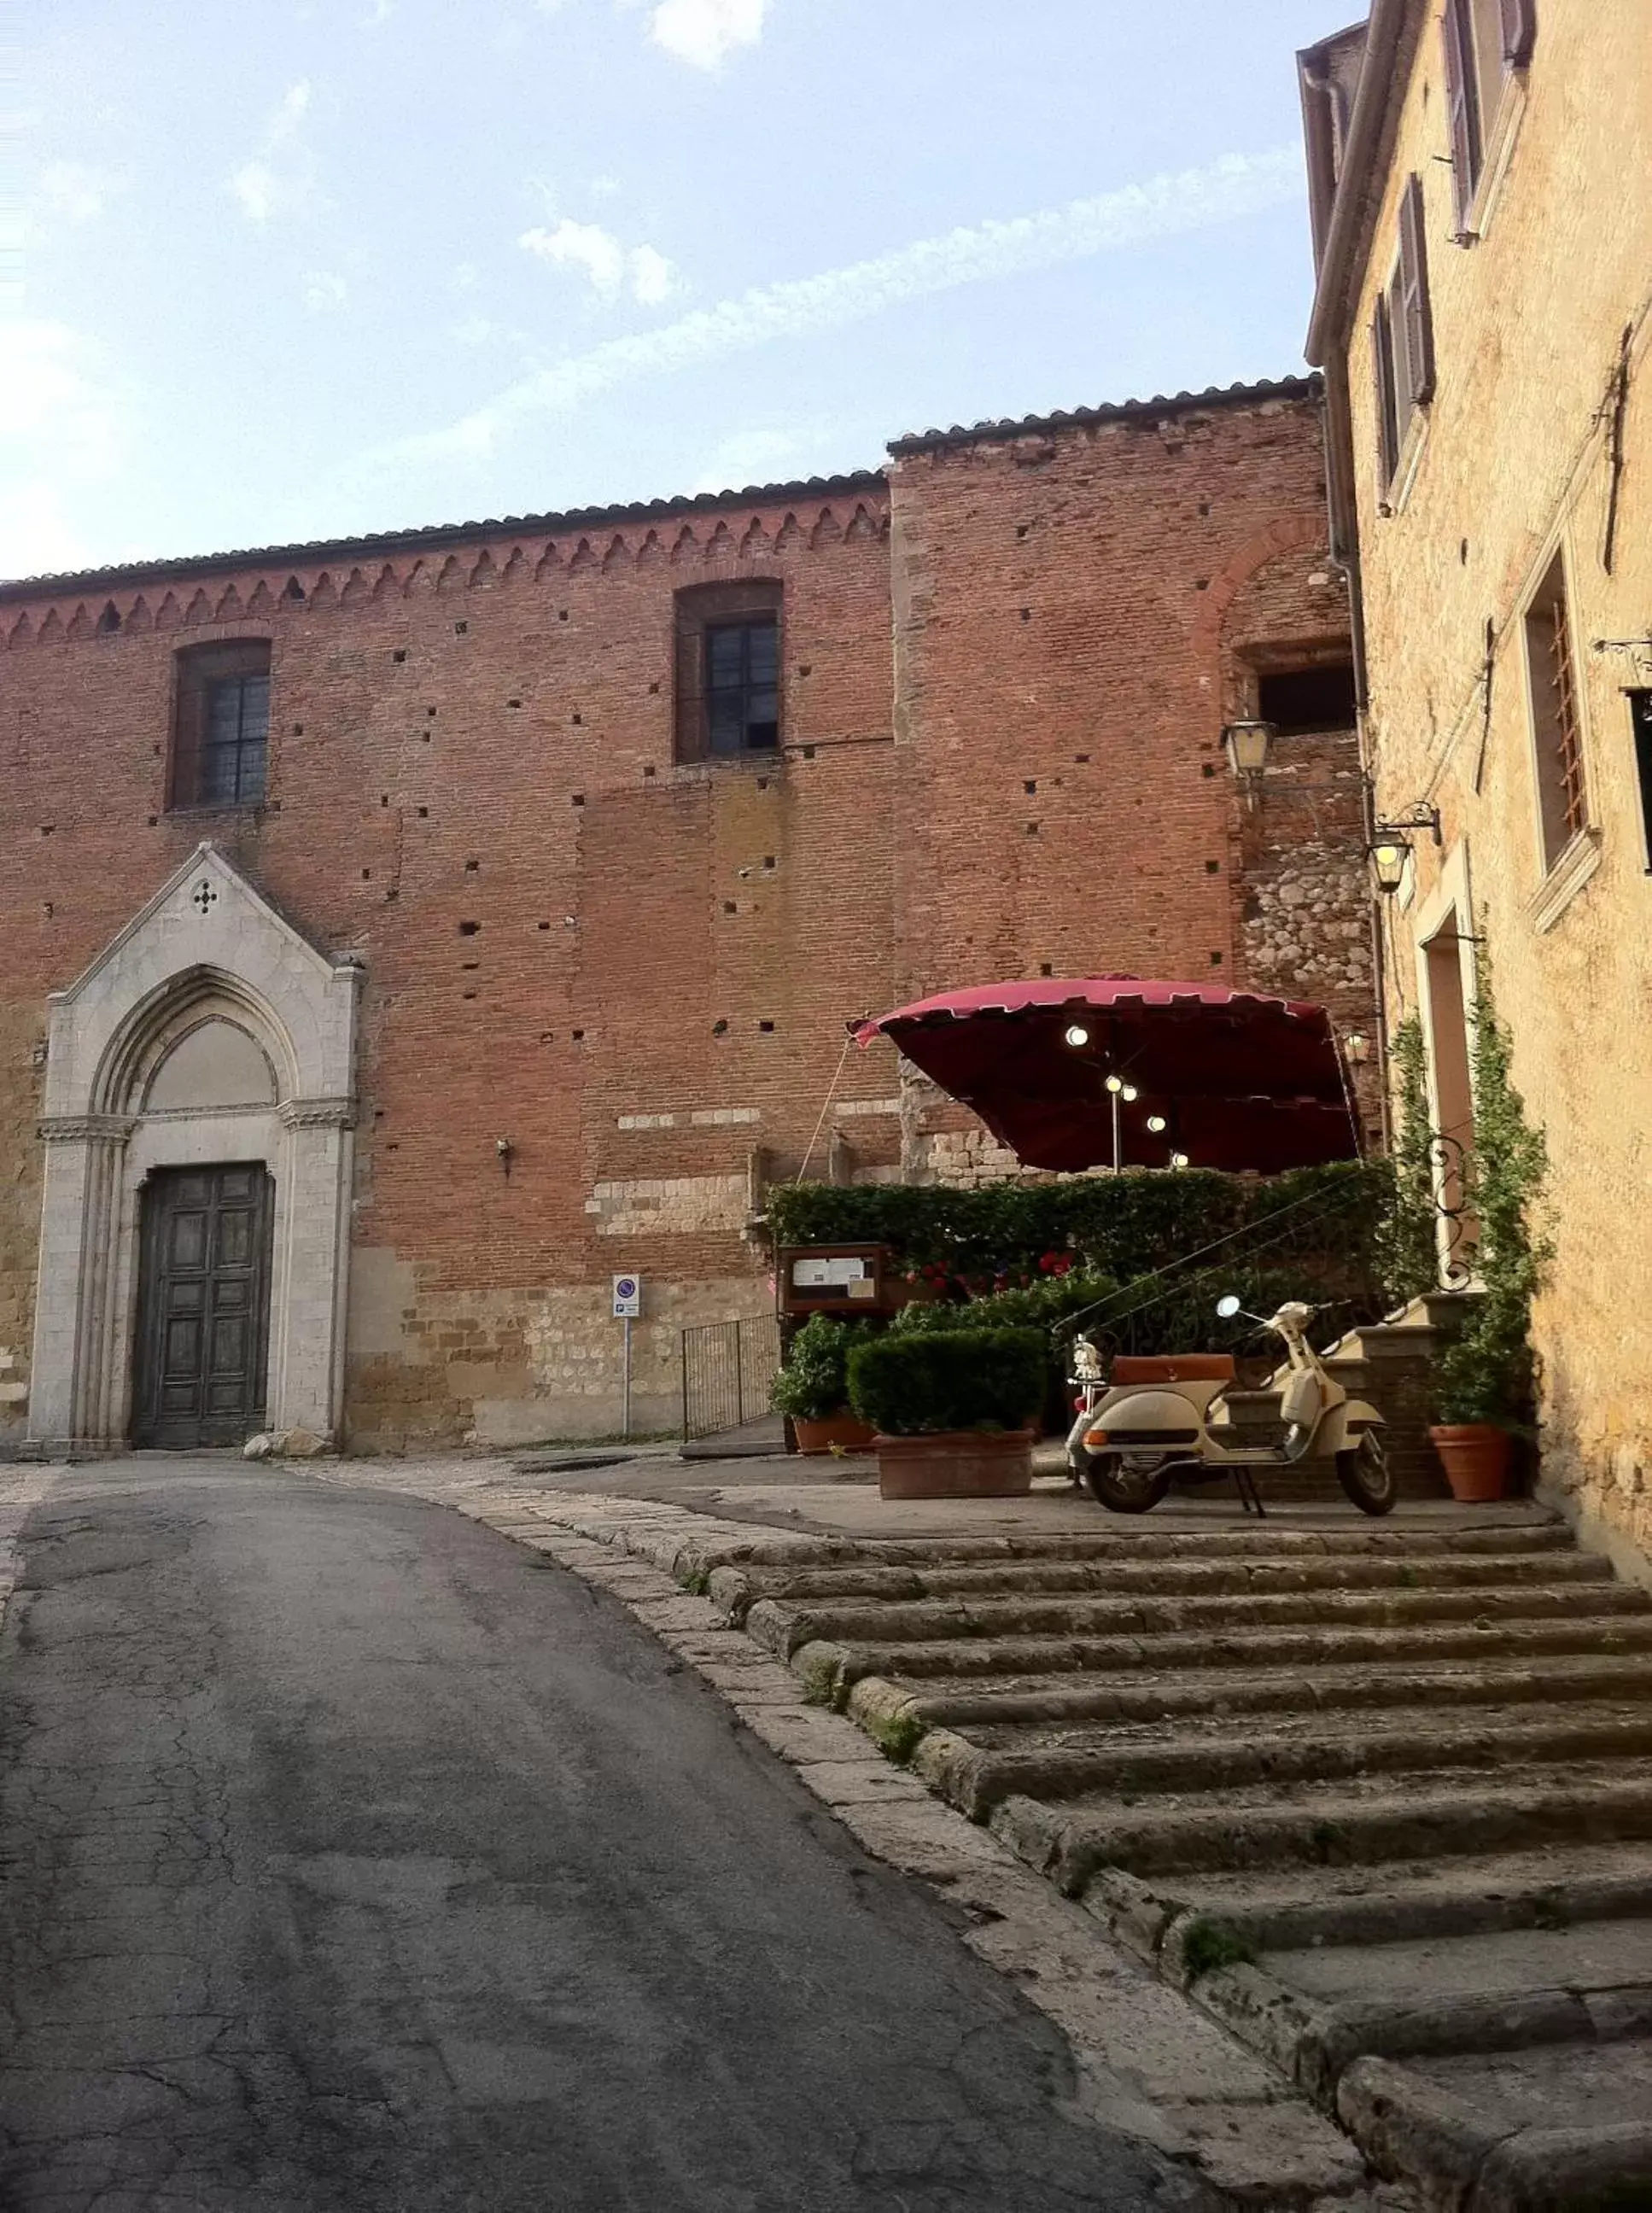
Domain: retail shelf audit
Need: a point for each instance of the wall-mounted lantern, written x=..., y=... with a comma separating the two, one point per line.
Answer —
x=1247, y=746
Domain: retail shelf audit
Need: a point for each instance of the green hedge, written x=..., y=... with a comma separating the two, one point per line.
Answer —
x=1324, y=1224
x=916, y=1383
x=814, y=1384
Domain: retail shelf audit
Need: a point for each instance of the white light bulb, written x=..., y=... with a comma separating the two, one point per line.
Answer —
x=1156, y=1124
x=1128, y=1091
x=1115, y=1083
x=1077, y=1035
x=1178, y=1159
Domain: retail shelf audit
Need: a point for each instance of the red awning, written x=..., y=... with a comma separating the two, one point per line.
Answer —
x=1241, y=1080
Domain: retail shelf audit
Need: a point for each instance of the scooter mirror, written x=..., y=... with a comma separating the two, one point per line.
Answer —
x=1227, y=1308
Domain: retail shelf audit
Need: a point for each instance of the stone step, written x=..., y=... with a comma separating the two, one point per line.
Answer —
x=1367, y=1820
x=1173, y=1574
x=1279, y=1908
x=1593, y=1955
x=990, y=1716
x=1222, y=1757
x=1325, y=1645
x=1514, y=1526
x=783, y=1627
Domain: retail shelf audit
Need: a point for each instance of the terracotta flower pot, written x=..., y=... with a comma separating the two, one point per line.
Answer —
x=956, y=1463
x=844, y=1430
x=1475, y=1456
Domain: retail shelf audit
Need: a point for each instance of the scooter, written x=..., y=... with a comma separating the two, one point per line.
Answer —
x=1169, y=1417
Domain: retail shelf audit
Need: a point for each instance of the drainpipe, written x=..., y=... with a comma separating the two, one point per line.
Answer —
x=1345, y=555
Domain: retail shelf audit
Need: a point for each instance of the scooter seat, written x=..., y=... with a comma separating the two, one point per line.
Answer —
x=1172, y=1368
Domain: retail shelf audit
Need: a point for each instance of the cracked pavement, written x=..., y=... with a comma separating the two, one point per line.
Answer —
x=351, y=1856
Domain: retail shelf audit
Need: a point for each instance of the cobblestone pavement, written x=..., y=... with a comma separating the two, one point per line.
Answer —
x=355, y=1857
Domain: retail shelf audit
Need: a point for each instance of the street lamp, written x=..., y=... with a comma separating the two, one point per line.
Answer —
x=1388, y=862
x=1248, y=744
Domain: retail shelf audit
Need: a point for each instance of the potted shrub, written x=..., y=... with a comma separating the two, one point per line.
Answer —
x=1484, y=1381
x=812, y=1387
x=951, y=1409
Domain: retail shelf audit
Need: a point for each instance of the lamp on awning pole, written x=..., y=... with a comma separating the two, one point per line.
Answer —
x=1118, y=1090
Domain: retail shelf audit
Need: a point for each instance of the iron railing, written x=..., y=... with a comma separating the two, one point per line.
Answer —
x=728, y=1367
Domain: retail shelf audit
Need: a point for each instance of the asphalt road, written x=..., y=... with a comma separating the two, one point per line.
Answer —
x=353, y=1858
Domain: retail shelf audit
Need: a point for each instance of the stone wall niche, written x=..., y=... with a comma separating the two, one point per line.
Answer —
x=210, y=1031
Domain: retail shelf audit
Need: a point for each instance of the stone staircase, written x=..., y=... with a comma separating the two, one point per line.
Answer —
x=1380, y=1796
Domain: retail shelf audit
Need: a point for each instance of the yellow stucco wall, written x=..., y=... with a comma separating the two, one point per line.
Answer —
x=1512, y=458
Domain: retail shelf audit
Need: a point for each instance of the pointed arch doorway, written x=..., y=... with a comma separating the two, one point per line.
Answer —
x=194, y=1233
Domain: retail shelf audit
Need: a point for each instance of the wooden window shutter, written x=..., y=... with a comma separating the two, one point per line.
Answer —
x=1518, y=32
x=1383, y=369
x=1462, y=104
x=1418, y=316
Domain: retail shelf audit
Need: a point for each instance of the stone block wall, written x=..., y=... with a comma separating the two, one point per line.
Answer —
x=1537, y=436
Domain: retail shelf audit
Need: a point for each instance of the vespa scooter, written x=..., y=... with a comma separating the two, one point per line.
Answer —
x=1130, y=1443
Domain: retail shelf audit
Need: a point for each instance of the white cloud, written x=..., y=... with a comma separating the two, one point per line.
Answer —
x=73, y=191
x=62, y=433
x=653, y=279
x=281, y=175
x=257, y=188
x=610, y=268
x=1237, y=185
x=584, y=245
x=705, y=32
x=324, y=290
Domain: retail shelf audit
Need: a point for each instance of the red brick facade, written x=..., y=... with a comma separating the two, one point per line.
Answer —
x=636, y=972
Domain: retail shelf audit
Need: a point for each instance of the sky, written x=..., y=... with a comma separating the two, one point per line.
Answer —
x=311, y=268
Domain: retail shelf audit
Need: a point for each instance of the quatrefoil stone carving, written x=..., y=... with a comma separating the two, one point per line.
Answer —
x=203, y=898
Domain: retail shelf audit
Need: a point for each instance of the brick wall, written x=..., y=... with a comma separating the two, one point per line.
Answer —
x=570, y=943
x=1080, y=607
x=638, y=973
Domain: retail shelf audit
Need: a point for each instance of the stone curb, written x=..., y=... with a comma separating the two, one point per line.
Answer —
x=20, y=1490
x=1152, y=2066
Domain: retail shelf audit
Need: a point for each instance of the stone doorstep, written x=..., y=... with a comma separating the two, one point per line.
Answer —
x=1151, y=2066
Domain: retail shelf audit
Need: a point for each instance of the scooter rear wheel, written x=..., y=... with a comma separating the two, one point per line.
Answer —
x=1122, y=1489
x=1365, y=1474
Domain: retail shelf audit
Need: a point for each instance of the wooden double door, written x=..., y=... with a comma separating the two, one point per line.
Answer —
x=203, y=1307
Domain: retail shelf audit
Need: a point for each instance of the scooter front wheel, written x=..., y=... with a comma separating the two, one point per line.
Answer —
x=1365, y=1474
x=1124, y=1489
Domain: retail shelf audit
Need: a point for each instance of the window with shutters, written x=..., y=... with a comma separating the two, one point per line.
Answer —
x=1557, y=716
x=1486, y=42
x=727, y=683
x=1402, y=339
x=220, y=725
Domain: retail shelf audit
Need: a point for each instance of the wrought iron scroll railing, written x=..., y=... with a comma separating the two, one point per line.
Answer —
x=1180, y=1298
x=728, y=1367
